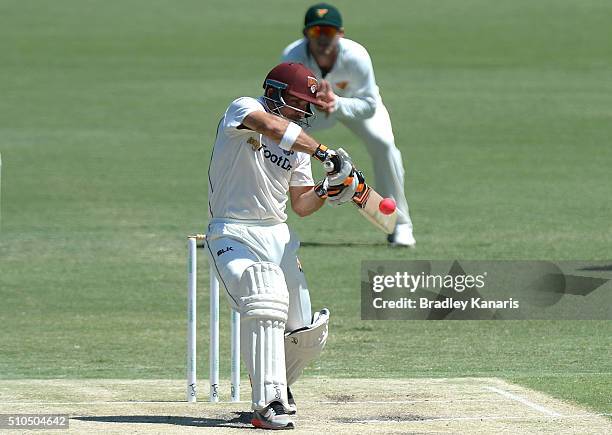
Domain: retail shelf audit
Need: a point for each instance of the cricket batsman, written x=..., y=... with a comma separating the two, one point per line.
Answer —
x=349, y=94
x=260, y=161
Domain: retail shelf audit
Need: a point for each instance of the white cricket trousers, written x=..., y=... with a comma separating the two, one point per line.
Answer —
x=232, y=247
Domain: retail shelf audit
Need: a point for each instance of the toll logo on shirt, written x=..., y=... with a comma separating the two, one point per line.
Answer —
x=278, y=160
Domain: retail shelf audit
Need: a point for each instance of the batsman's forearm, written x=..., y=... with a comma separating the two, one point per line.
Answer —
x=308, y=203
x=305, y=144
x=275, y=127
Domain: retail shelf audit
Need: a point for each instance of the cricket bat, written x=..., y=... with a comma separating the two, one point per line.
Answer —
x=368, y=202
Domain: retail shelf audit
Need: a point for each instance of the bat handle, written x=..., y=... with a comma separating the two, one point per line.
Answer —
x=328, y=165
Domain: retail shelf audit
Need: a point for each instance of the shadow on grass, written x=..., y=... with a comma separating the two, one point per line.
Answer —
x=606, y=268
x=339, y=244
x=330, y=244
x=241, y=420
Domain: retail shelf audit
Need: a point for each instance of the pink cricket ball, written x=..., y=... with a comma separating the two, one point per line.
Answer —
x=386, y=206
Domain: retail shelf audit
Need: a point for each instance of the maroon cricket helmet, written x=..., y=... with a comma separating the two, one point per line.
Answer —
x=295, y=79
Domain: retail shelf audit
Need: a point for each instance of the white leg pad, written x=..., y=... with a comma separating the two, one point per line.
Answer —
x=263, y=306
x=305, y=345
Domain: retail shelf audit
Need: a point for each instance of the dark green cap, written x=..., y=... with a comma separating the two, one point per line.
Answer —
x=323, y=14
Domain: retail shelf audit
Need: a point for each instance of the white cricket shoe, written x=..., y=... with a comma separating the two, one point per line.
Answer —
x=402, y=236
x=272, y=417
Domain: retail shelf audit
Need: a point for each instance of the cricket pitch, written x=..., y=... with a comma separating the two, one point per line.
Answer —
x=451, y=405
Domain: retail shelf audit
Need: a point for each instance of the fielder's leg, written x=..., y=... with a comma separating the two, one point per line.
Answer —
x=377, y=134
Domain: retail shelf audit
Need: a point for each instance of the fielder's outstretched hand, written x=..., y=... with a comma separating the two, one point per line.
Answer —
x=326, y=98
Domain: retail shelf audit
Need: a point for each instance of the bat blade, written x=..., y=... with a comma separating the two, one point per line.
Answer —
x=367, y=204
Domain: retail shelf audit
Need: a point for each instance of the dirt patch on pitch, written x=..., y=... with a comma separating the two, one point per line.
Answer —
x=463, y=405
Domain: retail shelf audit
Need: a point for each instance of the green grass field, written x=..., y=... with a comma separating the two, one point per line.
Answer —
x=108, y=110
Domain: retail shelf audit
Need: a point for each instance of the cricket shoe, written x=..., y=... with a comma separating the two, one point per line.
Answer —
x=402, y=236
x=272, y=417
x=291, y=400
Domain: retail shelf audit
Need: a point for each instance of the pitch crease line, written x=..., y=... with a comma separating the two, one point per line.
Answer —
x=485, y=417
x=182, y=402
x=125, y=402
x=398, y=402
x=524, y=401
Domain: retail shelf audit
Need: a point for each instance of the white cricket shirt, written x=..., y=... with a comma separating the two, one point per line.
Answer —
x=351, y=77
x=249, y=174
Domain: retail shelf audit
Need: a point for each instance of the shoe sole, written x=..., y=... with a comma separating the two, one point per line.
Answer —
x=263, y=425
